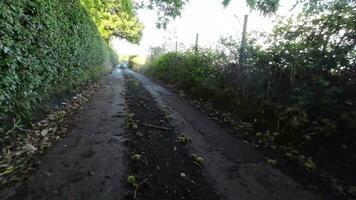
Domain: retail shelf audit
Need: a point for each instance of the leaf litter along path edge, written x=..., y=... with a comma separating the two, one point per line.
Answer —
x=162, y=167
x=238, y=170
x=89, y=163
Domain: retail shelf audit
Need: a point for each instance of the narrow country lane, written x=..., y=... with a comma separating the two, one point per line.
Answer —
x=177, y=100
x=99, y=153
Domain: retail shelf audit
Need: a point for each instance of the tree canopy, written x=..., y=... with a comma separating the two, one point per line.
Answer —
x=267, y=7
x=115, y=18
x=118, y=17
x=166, y=9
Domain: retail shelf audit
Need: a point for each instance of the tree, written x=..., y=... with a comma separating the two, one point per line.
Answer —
x=264, y=6
x=166, y=9
x=118, y=17
x=267, y=7
x=115, y=18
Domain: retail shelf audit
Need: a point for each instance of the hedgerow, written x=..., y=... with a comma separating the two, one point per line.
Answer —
x=296, y=91
x=196, y=72
x=46, y=46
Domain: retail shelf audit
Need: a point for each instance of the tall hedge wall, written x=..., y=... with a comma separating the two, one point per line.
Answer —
x=45, y=46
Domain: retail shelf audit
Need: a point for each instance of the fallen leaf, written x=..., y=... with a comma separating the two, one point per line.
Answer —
x=29, y=148
x=310, y=165
x=8, y=170
x=271, y=161
x=44, y=132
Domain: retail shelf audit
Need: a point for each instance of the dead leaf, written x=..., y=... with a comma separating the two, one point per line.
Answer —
x=310, y=165
x=8, y=170
x=44, y=132
x=29, y=148
x=271, y=161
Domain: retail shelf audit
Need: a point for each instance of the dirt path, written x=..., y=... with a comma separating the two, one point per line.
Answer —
x=89, y=162
x=165, y=167
x=94, y=160
x=238, y=170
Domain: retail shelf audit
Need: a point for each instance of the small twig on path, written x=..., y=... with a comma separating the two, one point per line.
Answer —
x=145, y=98
x=12, y=129
x=144, y=161
x=157, y=127
x=109, y=190
x=118, y=116
x=9, y=131
x=144, y=105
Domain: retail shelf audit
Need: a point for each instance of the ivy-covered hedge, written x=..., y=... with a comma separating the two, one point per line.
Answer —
x=46, y=46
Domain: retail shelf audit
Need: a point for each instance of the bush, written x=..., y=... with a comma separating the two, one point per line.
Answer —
x=46, y=46
x=193, y=72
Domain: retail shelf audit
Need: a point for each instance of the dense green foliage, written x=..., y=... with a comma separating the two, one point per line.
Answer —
x=193, y=72
x=115, y=18
x=46, y=47
x=300, y=83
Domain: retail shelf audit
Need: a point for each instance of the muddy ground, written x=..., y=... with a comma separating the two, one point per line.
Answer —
x=130, y=128
x=238, y=170
x=89, y=163
x=165, y=169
